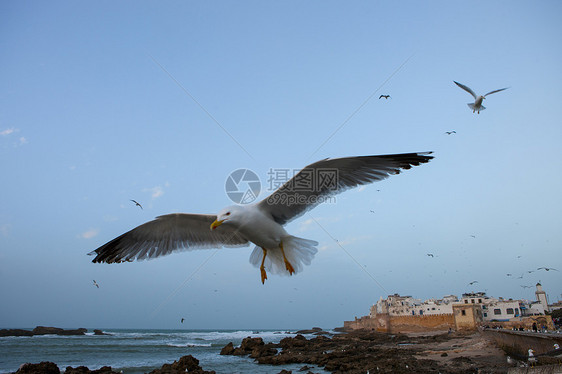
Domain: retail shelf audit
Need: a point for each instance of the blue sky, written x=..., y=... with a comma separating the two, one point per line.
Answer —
x=160, y=101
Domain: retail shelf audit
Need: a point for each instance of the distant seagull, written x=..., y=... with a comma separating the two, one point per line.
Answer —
x=518, y=256
x=137, y=204
x=527, y=286
x=530, y=271
x=471, y=283
x=547, y=269
x=385, y=96
x=474, y=236
x=509, y=275
x=372, y=211
x=477, y=105
x=96, y=284
x=183, y=319
x=430, y=254
x=450, y=132
x=521, y=277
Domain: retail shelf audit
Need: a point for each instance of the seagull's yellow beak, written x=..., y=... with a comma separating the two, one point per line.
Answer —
x=216, y=224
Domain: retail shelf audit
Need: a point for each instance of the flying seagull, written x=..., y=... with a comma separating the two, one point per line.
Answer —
x=385, y=96
x=260, y=223
x=96, y=284
x=547, y=269
x=450, y=132
x=430, y=254
x=183, y=319
x=136, y=203
x=471, y=283
x=477, y=105
x=527, y=286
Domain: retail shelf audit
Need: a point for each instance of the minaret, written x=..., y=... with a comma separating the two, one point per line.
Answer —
x=541, y=297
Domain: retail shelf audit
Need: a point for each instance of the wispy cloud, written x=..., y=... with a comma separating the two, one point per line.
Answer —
x=22, y=140
x=157, y=191
x=89, y=234
x=7, y=131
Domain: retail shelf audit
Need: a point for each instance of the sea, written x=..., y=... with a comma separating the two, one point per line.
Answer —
x=141, y=351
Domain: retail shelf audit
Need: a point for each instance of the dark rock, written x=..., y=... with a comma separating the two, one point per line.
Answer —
x=444, y=354
x=228, y=349
x=42, y=330
x=99, y=332
x=285, y=372
x=186, y=364
x=41, y=368
x=85, y=370
x=15, y=332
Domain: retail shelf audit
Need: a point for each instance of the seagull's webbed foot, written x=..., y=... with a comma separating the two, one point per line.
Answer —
x=262, y=268
x=288, y=265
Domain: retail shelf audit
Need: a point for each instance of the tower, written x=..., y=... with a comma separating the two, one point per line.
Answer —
x=541, y=297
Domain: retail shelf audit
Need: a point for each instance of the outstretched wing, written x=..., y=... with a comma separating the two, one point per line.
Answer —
x=467, y=89
x=318, y=181
x=491, y=92
x=166, y=234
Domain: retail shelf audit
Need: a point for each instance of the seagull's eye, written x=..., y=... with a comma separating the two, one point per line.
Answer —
x=227, y=214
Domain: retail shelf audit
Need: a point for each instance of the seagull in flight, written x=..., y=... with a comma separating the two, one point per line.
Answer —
x=547, y=269
x=477, y=105
x=96, y=284
x=527, y=286
x=471, y=283
x=430, y=255
x=183, y=319
x=137, y=204
x=385, y=96
x=450, y=132
x=259, y=223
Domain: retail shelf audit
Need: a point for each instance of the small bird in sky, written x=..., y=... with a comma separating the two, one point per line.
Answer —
x=477, y=105
x=471, y=283
x=547, y=269
x=372, y=211
x=137, y=204
x=509, y=275
x=521, y=277
x=474, y=236
x=96, y=284
x=385, y=96
x=450, y=132
x=530, y=271
x=183, y=319
x=430, y=255
x=527, y=286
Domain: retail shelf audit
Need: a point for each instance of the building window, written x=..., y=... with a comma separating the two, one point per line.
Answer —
x=463, y=312
x=466, y=301
x=497, y=311
x=421, y=312
x=485, y=314
x=509, y=310
x=480, y=301
x=484, y=307
x=472, y=301
x=516, y=311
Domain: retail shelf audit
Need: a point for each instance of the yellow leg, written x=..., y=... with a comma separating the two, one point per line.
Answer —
x=288, y=265
x=262, y=268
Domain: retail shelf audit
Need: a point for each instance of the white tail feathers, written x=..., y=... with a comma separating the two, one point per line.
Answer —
x=299, y=252
x=476, y=108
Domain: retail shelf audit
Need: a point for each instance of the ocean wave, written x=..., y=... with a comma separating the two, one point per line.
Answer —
x=184, y=345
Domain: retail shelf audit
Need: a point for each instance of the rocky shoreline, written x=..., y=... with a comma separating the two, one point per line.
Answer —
x=355, y=352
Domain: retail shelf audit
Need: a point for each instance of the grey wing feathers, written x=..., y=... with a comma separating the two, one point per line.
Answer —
x=491, y=92
x=165, y=235
x=332, y=176
x=467, y=89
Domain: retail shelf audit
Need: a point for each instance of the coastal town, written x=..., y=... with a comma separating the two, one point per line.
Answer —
x=471, y=311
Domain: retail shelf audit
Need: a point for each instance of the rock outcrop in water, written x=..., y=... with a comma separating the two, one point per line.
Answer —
x=42, y=330
x=186, y=364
